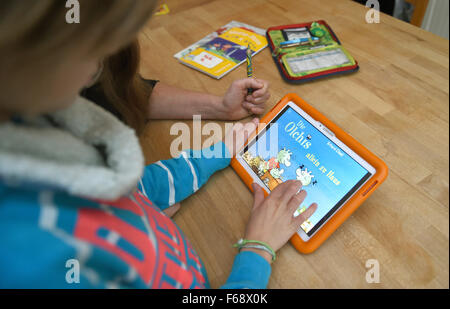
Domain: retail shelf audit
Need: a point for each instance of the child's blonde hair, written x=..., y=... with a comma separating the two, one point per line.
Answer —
x=33, y=30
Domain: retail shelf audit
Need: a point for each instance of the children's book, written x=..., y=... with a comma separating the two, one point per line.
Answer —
x=223, y=50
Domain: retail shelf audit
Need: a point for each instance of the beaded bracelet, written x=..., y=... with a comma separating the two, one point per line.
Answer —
x=244, y=243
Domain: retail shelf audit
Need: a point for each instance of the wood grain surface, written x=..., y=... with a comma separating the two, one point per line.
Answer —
x=397, y=105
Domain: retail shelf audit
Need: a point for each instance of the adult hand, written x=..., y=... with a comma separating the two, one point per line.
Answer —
x=272, y=219
x=237, y=104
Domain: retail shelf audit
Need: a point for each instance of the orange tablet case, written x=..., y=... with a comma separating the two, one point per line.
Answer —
x=354, y=202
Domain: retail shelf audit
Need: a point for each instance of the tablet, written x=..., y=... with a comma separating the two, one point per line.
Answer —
x=295, y=145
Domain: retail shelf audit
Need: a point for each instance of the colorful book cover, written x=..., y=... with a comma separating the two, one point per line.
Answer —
x=209, y=37
x=224, y=50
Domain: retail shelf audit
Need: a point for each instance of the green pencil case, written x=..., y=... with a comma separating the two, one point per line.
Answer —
x=316, y=59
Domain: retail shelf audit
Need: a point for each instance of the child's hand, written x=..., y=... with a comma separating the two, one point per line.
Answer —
x=272, y=219
x=236, y=137
x=237, y=104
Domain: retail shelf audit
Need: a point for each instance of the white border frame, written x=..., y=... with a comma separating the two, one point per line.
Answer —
x=330, y=135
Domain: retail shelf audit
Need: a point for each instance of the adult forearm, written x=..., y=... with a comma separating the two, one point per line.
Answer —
x=168, y=102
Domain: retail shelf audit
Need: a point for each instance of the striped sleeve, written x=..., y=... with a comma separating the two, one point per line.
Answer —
x=168, y=182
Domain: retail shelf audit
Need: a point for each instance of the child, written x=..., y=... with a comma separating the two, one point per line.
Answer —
x=78, y=209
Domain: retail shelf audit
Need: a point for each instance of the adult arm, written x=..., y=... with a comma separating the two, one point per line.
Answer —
x=169, y=102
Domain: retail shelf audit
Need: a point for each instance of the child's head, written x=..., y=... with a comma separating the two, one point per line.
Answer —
x=45, y=61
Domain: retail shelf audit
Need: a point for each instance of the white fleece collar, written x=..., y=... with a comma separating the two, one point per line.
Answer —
x=82, y=150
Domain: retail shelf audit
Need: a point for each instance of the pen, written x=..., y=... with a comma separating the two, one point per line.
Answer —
x=249, y=68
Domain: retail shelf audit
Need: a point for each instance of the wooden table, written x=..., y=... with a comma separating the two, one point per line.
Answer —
x=396, y=105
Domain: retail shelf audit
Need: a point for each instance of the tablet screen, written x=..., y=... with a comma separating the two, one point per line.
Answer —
x=328, y=173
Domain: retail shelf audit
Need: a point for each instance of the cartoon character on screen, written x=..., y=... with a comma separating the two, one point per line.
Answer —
x=284, y=157
x=247, y=156
x=272, y=178
x=263, y=167
x=271, y=171
x=254, y=162
x=305, y=176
